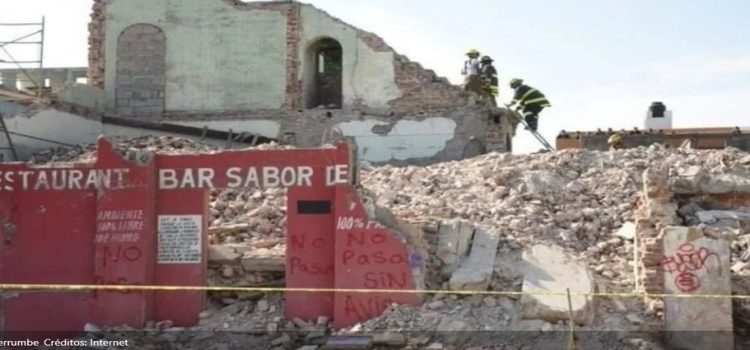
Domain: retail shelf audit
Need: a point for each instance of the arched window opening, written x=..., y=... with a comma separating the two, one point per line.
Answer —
x=323, y=74
x=140, y=80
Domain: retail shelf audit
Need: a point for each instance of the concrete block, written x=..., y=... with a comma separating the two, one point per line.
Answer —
x=549, y=269
x=627, y=231
x=222, y=254
x=454, y=238
x=688, y=180
x=475, y=273
x=696, y=265
x=349, y=343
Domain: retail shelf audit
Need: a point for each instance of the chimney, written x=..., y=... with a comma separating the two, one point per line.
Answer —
x=658, y=117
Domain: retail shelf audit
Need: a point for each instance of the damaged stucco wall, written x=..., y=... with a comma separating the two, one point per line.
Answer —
x=368, y=75
x=399, y=140
x=246, y=66
x=217, y=58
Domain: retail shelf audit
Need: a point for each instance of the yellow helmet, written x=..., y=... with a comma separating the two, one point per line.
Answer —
x=472, y=52
x=615, y=138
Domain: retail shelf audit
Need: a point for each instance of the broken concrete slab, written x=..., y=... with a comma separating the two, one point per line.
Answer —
x=687, y=180
x=453, y=330
x=711, y=216
x=389, y=339
x=549, y=269
x=726, y=183
x=349, y=343
x=627, y=231
x=222, y=254
x=475, y=273
x=696, y=265
x=454, y=238
x=264, y=260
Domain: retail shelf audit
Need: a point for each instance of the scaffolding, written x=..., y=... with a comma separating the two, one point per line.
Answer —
x=34, y=36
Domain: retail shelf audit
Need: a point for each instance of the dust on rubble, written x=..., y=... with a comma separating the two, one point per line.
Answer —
x=582, y=201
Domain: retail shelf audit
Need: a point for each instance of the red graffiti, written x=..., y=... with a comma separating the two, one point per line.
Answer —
x=101, y=281
x=115, y=254
x=686, y=262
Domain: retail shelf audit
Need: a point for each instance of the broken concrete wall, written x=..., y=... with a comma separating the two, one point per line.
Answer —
x=718, y=202
x=368, y=72
x=696, y=265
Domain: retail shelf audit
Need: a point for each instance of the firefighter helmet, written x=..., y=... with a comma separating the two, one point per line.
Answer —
x=472, y=52
x=516, y=82
x=487, y=59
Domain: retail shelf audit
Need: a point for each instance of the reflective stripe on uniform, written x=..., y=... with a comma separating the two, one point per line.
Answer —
x=526, y=95
x=528, y=113
x=536, y=101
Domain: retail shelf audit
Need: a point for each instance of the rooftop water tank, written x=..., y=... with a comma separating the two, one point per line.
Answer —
x=658, y=117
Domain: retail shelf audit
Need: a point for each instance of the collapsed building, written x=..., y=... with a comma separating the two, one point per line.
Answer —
x=281, y=70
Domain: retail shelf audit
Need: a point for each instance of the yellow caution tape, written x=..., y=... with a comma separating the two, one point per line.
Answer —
x=132, y=288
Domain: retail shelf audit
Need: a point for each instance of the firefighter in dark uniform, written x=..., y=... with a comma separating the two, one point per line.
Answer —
x=489, y=79
x=529, y=101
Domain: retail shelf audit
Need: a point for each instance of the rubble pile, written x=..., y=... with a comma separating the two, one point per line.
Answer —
x=579, y=200
x=582, y=201
x=579, y=204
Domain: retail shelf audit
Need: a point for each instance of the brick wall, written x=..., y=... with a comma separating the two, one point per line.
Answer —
x=96, y=43
x=141, y=71
x=656, y=211
x=293, y=99
x=422, y=89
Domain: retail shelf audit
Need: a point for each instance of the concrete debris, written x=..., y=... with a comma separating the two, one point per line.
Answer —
x=703, y=323
x=573, y=211
x=389, y=339
x=454, y=331
x=349, y=343
x=453, y=244
x=222, y=254
x=627, y=231
x=475, y=273
x=264, y=260
x=549, y=269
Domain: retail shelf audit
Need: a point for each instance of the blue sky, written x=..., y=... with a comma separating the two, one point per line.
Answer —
x=600, y=62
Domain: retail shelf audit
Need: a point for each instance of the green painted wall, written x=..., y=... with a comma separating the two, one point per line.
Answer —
x=218, y=57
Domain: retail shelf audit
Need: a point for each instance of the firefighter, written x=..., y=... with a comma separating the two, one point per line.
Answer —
x=615, y=141
x=529, y=101
x=489, y=79
x=472, y=80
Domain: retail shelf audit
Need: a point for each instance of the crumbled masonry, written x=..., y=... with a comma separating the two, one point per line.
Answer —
x=584, y=203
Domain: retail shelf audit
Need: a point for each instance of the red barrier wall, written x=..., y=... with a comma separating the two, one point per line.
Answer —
x=116, y=222
x=368, y=257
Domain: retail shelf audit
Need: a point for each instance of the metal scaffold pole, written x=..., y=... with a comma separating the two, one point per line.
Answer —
x=35, y=36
